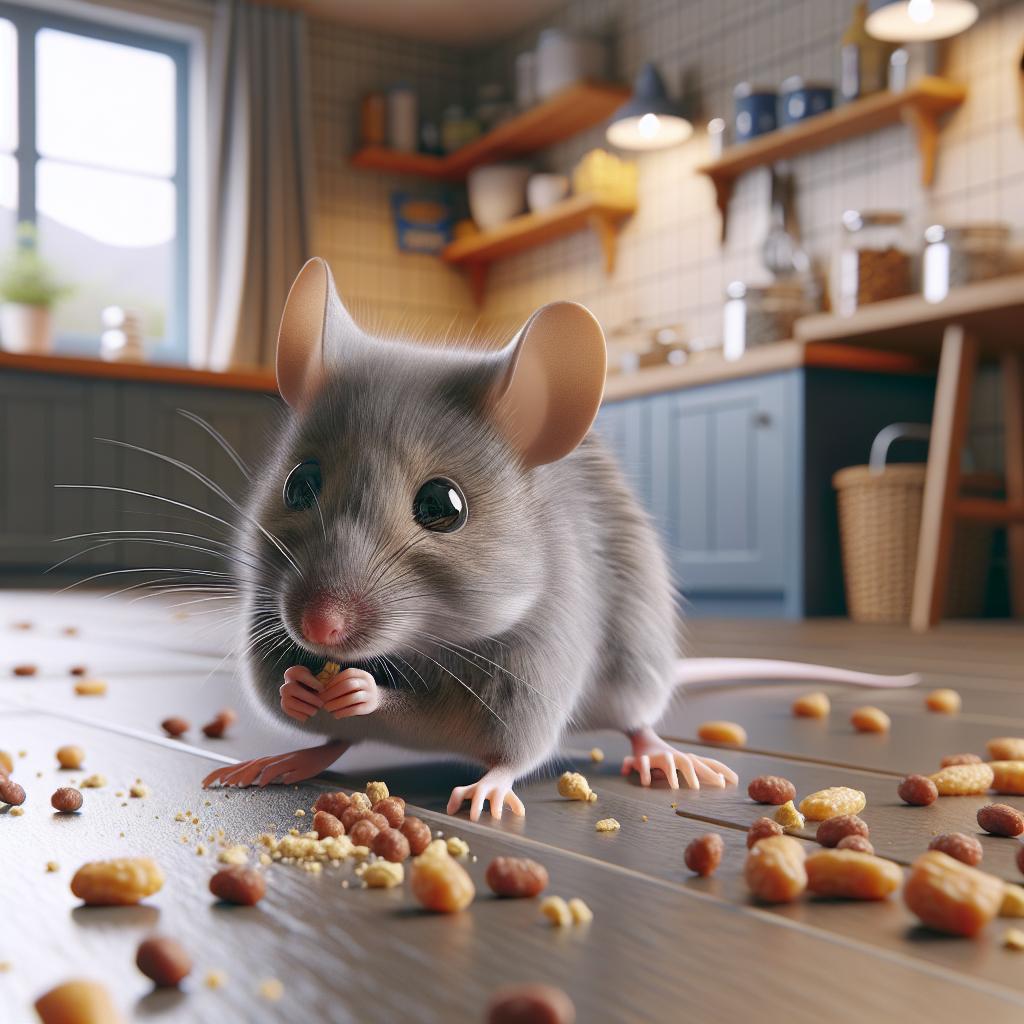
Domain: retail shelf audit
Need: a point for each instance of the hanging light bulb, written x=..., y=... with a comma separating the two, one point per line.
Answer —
x=906, y=21
x=649, y=119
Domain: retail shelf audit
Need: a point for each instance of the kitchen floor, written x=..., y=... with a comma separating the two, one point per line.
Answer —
x=663, y=945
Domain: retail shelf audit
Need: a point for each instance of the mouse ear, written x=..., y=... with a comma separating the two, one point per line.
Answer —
x=313, y=315
x=552, y=382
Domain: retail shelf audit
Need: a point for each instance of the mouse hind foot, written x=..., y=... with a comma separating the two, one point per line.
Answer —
x=651, y=753
x=494, y=788
x=296, y=766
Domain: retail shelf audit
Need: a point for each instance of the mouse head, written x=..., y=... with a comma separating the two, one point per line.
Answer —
x=411, y=496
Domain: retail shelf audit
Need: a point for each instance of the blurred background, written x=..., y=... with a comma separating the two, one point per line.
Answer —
x=798, y=221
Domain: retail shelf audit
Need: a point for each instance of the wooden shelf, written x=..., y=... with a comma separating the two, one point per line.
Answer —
x=478, y=252
x=569, y=112
x=920, y=106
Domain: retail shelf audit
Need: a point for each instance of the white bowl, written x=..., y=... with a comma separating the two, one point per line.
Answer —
x=497, y=193
x=545, y=190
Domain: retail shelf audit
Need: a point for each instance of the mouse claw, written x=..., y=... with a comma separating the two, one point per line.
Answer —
x=495, y=789
x=651, y=753
x=286, y=768
x=352, y=692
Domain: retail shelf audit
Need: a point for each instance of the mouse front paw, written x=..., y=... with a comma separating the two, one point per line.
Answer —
x=352, y=692
x=299, y=697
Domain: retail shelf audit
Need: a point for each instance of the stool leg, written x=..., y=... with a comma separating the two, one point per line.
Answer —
x=1013, y=419
x=942, y=480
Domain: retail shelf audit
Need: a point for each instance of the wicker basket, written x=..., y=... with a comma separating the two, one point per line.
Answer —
x=879, y=523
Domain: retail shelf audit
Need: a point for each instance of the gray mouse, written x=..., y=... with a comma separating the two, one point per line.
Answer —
x=443, y=523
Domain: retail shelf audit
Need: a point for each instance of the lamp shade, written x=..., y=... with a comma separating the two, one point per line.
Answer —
x=907, y=21
x=649, y=119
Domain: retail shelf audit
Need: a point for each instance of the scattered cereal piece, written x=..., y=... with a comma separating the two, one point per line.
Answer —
x=851, y=875
x=165, y=961
x=25, y=670
x=1006, y=748
x=139, y=790
x=574, y=786
x=117, y=883
x=270, y=989
x=516, y=877
x=174, y=726
x=828, y=803
x=704, y=854
x=581, y=913
x=52, y=867
x=596, y=755
x=418, y=834
x=78, y=670
x=950, y=896
x=812, y=705
x=384, y=874
x=96, y=781
x=1014, y=939
x=91, y=688
x=6, y=762
x=16, y=811
x=775, y=870
x=762, y=829
x=243, y=886
x=11, y=792
x=917, y=790
x=77, y=1002
x=234, y=855
x=361, y=802
x=439, y=882
x=221, y=722
x=1013, y=901
x=771, y=789
x=300, y=813
x=66, y=800
x=945, y=702
x=70, y=756
x=557, y=911
x=376, y=791
x=729, y=733
x=789, y=817
x=1001, y=820
x=963, y=779
x=457, y=847
x=832, y=830
x=854, y=842
x=870, y=719
x=530, y=1004
x=215, y=979
x=607, y=825
x=1008, y=777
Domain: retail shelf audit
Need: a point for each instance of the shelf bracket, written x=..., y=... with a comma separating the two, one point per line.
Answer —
x=607, y=235
x=723, y=193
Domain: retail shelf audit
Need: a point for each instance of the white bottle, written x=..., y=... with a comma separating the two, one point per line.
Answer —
x=403, y=118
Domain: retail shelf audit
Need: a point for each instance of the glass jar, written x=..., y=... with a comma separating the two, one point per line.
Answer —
x=873, y=264
x=955, y=256
x=760, y=314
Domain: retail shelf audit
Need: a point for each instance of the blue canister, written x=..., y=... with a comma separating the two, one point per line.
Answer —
x=754, y=110
x=799, y=100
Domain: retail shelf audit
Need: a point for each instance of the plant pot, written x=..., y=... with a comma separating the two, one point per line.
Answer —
x=26, y=329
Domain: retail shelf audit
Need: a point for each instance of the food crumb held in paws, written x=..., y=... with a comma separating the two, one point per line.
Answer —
x=704, y=854
x=812, y=705
x=607, y=825
x=222, y=721
x=530, y=1004
x=574, y=786
x=945, y=702
x=727, y=733
x=870, y=719
x=762, y=829
x=165, y=961
x=70, y=756
x=243, y=886
x=384, y=874
x=77, y=1002
x=91, y=688
x=174, y=726
x=271, y=990
x=917, y=790
x=596, y=755
x=789, y=817
x=66, y=800
x=771, y=789
x=516, y=877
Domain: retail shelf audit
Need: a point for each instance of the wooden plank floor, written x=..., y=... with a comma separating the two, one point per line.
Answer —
x=664, y=946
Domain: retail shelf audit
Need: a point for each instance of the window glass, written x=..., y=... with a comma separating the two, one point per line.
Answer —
x=8, y=87
x=8, y=202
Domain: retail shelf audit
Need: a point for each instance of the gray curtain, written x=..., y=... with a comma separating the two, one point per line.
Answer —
x=260, y=177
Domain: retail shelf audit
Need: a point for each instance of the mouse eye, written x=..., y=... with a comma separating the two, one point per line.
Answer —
x=302, y=485
x=440, y=506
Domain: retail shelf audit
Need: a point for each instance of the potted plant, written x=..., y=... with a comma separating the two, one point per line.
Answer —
x=28, y=290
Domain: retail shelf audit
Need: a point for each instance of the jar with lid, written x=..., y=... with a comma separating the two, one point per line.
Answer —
x=955, y=256
x=760, y=314
x=873, y=263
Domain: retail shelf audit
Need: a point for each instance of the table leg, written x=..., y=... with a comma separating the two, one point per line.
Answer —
x=942, y=480
x=1013, y=418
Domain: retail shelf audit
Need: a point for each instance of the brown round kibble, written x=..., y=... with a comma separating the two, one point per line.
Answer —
x=1001, y=820
x=351, y=815
x=79, y=670
x=25, y=670
x=516, y=877
x=165, y=961
x=917, y=790
x=952, y=759
x=771, y=789
x=78, y=1002
x=223, y=720
x=174, y=726
x=418, y=834
x=530, y=1004
x=70, y=756
x=832, y=830
x=333, y=803
x=762, y=829
x=704, y=854
x=959, y=846
x=870, y=719
x=363, y=832
x=855, y=842
x=238, y=884
x=66, y=800
x=393, y=810
x=325, y=824
x=390, y=844
x=11, y=793
x=945, y=702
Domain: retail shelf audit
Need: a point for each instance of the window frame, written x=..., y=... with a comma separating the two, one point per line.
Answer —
x=27, y=23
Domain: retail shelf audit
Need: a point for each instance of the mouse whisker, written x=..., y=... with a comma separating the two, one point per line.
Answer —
x=220, y=439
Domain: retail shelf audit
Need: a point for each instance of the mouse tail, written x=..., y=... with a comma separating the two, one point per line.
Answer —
x=694, y=671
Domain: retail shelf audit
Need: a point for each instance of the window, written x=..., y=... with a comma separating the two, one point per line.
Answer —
x=93, y=150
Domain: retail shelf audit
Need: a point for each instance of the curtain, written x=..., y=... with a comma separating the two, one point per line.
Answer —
x=260, y=187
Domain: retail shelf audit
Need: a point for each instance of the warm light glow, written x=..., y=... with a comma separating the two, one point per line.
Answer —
x=908, y=21
x=649, y=131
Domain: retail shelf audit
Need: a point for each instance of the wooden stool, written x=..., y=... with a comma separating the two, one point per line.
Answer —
x=943, y=505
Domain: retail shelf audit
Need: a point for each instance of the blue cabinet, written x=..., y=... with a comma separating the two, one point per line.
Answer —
x=737, y=478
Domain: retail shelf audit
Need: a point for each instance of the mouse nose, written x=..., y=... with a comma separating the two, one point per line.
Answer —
x=323, y=622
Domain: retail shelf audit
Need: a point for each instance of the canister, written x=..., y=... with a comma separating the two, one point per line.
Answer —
x=799, y=100
x=754, y=110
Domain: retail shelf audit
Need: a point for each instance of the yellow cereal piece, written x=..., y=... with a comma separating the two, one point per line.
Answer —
x=362, y=801
x=831, y=802
x=140, y=790
x=729, y=733
x=16, y=812
x=1008, y=777
x=234, y=855
x=270, y=989
x=789, y=817
x=574, y=786
x=963, y=779
x=52, y=866
x=607, y=825
x=581, y=913
x=812, y=705
x=870, y=719
x=90, y=688
x=596, y=755
x=215, y=979
x=557, y=911
x=1014, y=939
x=1006, y=748
x=383, y=874
x=377, y=791
x=327, y=673
x=1013, y=901
x=944, y=702
x=457, y=847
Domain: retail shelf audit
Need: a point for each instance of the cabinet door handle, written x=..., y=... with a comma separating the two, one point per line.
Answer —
x=760, y=420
